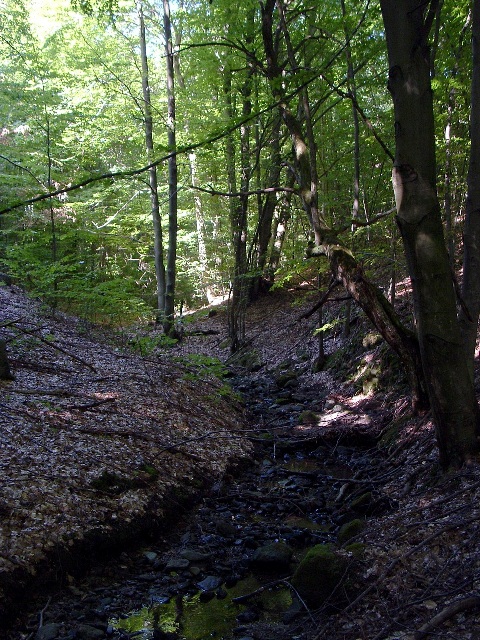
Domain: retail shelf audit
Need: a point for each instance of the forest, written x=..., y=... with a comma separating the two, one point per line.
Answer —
x=164, y=160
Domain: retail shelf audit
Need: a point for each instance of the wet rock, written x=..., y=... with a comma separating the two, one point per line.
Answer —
x=350, y=530
x=275, y=556
x=151, y=556
x=177, y=564
x=319, y=574
x=87, y=632
x=195, y=556
x=48, y=632
x=210, y=583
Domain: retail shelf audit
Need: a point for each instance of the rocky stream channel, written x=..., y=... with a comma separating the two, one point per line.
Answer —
x=224, y=570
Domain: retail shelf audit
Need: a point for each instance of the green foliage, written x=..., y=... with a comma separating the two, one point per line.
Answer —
x=71, y=110
x=148, y=344
x=327, y=326
x=202, y=364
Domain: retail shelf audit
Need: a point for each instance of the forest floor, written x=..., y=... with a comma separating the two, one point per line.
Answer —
x=101, y=446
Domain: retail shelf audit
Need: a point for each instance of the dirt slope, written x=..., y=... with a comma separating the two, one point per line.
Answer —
x=97, y=444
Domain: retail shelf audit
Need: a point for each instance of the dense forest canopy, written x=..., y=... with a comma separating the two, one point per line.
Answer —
x=157, y=155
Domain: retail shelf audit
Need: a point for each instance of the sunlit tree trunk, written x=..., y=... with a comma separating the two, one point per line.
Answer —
x=168, y=325
x=200, y=223
x=269, y=205
x=153, y=179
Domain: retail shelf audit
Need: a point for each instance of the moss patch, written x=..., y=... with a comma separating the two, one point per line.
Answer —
x=319, y=575
x=350, y=530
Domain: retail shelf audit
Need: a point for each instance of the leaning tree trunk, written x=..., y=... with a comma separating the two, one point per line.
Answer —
x=343, y=264
x=449, y=384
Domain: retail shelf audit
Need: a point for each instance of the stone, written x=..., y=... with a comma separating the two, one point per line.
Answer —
x=274, y=556
x=48, y=632
x=195, y=556
x=350, y=530
x=87, y=632
x=284, y=378
x=319, y=574
x=363, y=503
x=151, y=556
x=210, y=583
x=177, y=564
x=225, y=528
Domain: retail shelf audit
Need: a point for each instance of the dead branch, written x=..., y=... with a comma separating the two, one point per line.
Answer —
x=466, y=604
x=90, y=405
x=389, y=568
x=264, y=587
x=333, y=284
x=55, y=346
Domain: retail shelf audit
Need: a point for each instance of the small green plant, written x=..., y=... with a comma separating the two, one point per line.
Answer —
x=204, y=364
x=146, y=345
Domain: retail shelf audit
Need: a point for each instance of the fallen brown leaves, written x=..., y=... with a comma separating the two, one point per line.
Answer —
x=94, y=440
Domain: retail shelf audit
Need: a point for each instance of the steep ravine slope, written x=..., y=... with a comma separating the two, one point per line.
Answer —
x=98, y=445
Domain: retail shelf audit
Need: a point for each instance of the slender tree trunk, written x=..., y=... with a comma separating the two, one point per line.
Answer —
x=352, y=90
x=270, y=202
x=471, y=259
x=153, y=179
x=282, y=216
x=172, y=179
x=450, y=388
x=200, y=222
x=240, y=288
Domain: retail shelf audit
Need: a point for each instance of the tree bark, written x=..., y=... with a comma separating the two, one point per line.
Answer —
x=5, y=373
x=153, y=180
x=449, y=384
x=168, y=325
x=240, y=287
x=471, y=259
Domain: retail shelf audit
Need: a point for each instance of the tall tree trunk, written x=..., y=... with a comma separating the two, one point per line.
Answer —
x=352, y=90
x=450, y=388
x=153, y=180
x=282, y=216
x=200, y=222
x=269, y=204
x=240, y=287
x=343, y=264
x=172, y=178
x=471, y=259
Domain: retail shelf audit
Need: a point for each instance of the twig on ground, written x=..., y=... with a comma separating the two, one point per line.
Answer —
x=466, y=604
